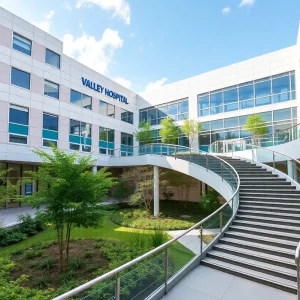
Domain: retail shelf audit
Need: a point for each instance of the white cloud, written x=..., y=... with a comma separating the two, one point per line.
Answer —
x=126, y=83
x=246, y=3
x=67, y=6
x=47, y=21
x=226, y=10
x=155, y=85
x=120, y=8
x=92, y=53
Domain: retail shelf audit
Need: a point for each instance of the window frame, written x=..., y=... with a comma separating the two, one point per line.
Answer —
x=47, y=49
x=58, y=88
x=22, y=36
x=20, y=87
x=22, y=108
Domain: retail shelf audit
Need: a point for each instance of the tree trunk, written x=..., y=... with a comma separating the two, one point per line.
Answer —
x=68, y=234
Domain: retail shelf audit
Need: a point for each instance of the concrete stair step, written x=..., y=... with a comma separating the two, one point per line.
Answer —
x=276, y=190
x=261, y=225
x=267, y=233
x=269, y=199
x=269, y=214
x=258, y=247
x=260, y=277
x=270, y=241
x=285, y=204
x=255, y=265
x=267, y=186
x=270, y=209
x=265, y=182
x=264, y=194
x=269, y=220
x=272, y=259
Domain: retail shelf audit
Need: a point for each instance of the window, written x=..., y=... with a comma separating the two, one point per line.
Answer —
x=183, y=110
x=51, y=89
x=52, y=59
x=80, y=99
x=216, y=99
x=246, y=92
x=126, y=144
x=106, y=109
x=152, y=116
x=50, y=130
x=80, y=136
x=127, y=116
x=18, y=124
x=106, y=141
x=20, y=78
x=230, y=95
x=263, y=91
x=22, y=44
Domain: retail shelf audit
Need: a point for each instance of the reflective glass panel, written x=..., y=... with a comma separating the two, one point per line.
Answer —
x=51, y=89
x=229, y=135
x=246, y=92
x=152, y=116
x=110, y=110
x=162, y=112
x=281, y=97
x=203, y=112
x=75, y=98
x=204, y=139
x=203, y=101
x=183, y=107
x=231, y=107
x=86, y=101
x=205, y=126
x=281, y=85
x=231, y=122
x=86, y=130
x=74, y=127
x=20, y=78
x=263, y=101
x=216, y=99
x=19, y=139
x=52, y=58
x=50, y=122
x=246, y=104
x=282, y=114
x=21, y=44
x=102, y=108
x=216, y=110
x=262, y=89
x=102, y=134
x=18, y=115
x=217, y=124
x=230, y=96
x=172, y=109
x=143, y=116
x=267, y=116
x=293, y=82
x=110, y=135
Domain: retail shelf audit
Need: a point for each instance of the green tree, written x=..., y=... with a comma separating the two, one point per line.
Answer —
x=122, y=191
x=256, y=126
x=71, y=193
x=169, y=132
x=144, y=134
x=8, y=190
x=191, y=129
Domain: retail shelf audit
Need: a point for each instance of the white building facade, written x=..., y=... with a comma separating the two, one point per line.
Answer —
x=46, y=96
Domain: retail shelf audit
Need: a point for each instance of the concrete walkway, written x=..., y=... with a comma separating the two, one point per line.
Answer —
x=191, y=240
x=205, y=283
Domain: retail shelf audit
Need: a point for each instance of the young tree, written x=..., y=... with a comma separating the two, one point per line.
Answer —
x=256, y=126
x=191, y=129
x=144, y=134
x=142, y=179
x=169, y=132
x=8, y=190
x=71, y=193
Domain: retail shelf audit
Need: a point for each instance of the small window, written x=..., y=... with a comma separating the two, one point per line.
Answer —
x=51, y=89
x=18, y=139
x=106, y=109
x=48, y=143
x=22, y=44
x=52, y=59
x=80, y=99
x=20, y=78
x=18, y=124
x=50, y=122
x=126, y=116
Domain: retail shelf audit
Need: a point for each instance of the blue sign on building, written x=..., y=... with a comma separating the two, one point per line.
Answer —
x=101, y=89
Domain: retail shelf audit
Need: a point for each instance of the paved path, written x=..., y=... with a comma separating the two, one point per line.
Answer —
x=9, y=216
x=205, y=283
x=191, y=240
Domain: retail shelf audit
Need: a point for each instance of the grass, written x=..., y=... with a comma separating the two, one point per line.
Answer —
x=171, y=216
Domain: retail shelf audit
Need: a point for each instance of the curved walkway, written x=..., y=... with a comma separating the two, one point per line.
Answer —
x=204, y=283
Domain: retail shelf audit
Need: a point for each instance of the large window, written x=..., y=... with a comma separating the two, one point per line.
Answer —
x=106, y=109
x=233, y=128
x=126, y=144
x=20, y=78
x=177, y=110
x=274, y=89
x=80, y=136
x=81, y=100
x=52, y=59
x=106, y=141
x=50, y=130
x=51, y=89
x=126, y=116
x=18, y=124
x=22, y=44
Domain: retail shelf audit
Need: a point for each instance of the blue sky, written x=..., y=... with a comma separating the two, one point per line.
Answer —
x=144, y=44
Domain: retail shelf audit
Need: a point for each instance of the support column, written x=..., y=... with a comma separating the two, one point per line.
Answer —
x=292, y=171
x=95, y=169
x=203, y=192
x=156, y=191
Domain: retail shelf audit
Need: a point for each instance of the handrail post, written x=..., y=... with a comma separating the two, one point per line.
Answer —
x=252, y=154
x=273, y=160
x=206, y=162
x=201, y=240
x=190, y=155
x=222, y=167
x=118, y=288
x=221, y=221
x=166, y=270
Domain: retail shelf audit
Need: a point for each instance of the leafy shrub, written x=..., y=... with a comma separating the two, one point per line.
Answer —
x=32, y=253
x=42, y=282
x=27, y=224
x=157, y=238
x=209, y=202
x=168, y=195
x=11, y=236
x=88, y=253
x=75, y=264
x=65, y=278
x=47, y=263
x=121, y=191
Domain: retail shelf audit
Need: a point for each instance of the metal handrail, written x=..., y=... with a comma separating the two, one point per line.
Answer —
x=260, y=137
x=297, y=261
x=116, y=272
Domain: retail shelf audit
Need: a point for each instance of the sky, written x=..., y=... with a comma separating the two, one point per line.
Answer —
x=144, y=44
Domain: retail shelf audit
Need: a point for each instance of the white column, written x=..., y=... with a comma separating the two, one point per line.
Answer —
x=95, y=169
x=291, y=170
x=156, y=191
x=202, y=188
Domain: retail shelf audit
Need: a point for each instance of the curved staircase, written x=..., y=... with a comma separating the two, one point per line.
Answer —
x=261, y=242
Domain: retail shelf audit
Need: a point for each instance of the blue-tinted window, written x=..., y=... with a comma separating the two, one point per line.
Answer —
x=172, y=109
x=263, y=101
x=74, y=127
x=143, y=116
x=231, y=107
x=281, y=97
x=126, y=139
x=162, y=112
x=52, y=59
x=183, y=107
x=18, y=115
x=246, y=92
x=218, y=124
x=86, y=130
x=281, y=85
x=216, y=110
x=243, y=120
x=246, y=104
x=231, y=122
x=203, y=101
x=282, y=114
x=127, y=116
x=51, y=89
x=75, y=98
x=229, y=135
x=203, y=112
x=205, y=126
x=262, y=89
x=86, y=101
x=293, y=82
x=152, y=116
x=50, y=122
x=267, y=116
x=20, y=78
x=216, y=99
x=230, y=96
x=22, y=44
